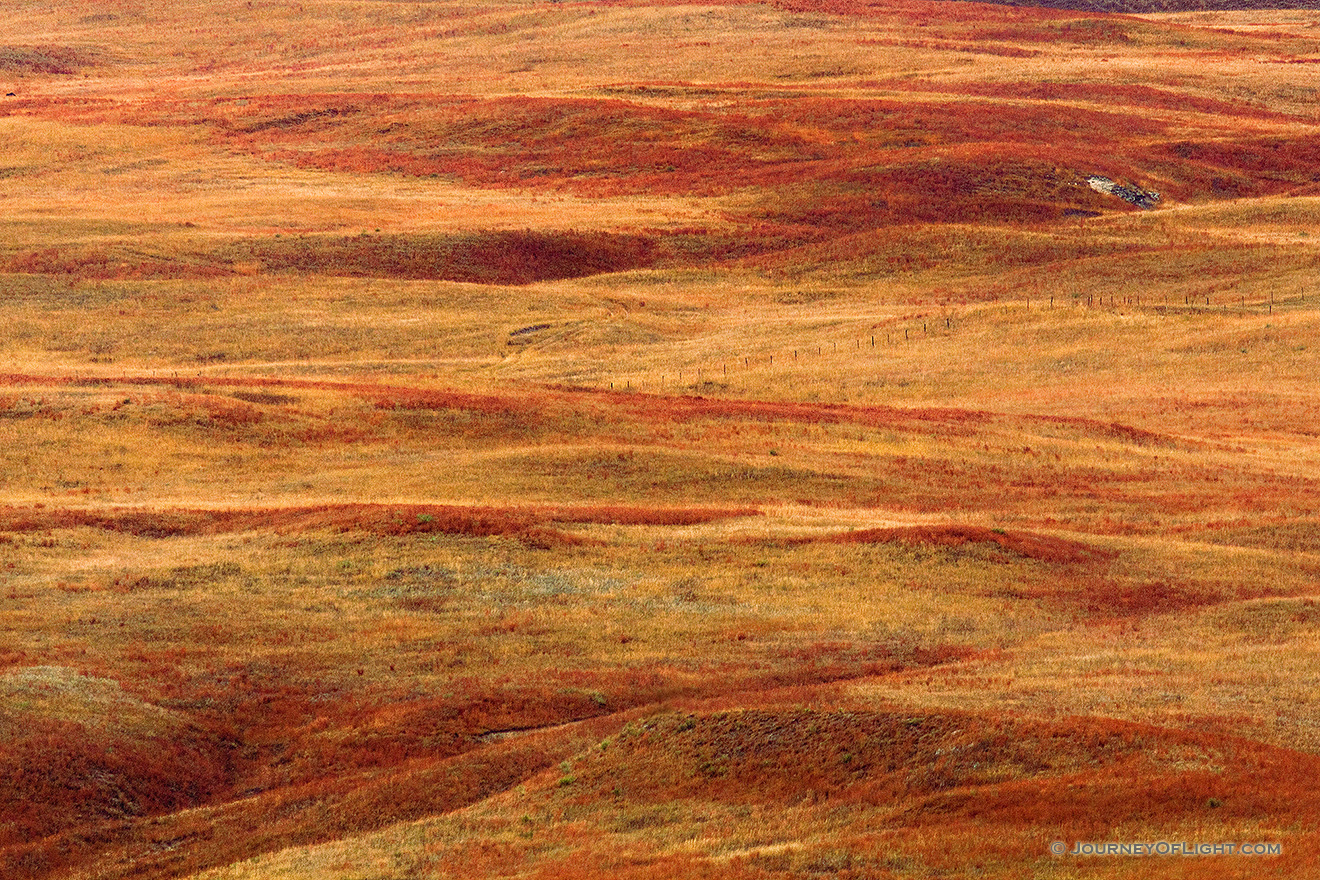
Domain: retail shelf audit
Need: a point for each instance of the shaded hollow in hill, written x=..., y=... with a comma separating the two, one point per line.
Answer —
x=504, y=257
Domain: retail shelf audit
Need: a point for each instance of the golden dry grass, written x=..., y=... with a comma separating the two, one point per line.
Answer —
x=648, y=440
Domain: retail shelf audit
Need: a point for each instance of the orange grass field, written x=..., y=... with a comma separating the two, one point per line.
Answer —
x=654, y=439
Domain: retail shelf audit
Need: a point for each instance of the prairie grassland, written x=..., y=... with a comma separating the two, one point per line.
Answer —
x=655, y=440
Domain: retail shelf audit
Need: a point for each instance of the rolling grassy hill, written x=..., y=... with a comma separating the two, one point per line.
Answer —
x=645, y=439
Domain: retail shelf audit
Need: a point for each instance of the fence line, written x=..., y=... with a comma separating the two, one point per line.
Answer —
x=1192, y=304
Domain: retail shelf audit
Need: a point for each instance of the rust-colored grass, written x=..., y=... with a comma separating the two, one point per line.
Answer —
x=378, y=519
x=655, y=439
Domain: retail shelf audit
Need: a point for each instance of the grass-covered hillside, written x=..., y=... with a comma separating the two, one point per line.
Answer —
x=657, y=440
